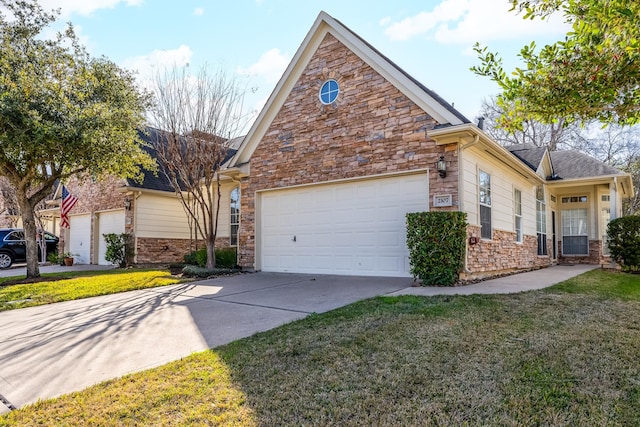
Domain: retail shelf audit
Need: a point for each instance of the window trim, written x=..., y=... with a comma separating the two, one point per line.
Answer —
x=565, y=214
x=485, y=204
x=234, y=217
x=541, y=221
x=517, y=215
x=331, y=93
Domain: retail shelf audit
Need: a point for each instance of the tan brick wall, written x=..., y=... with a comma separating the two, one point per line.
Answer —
x=595, y=255
x=157, y=250
x=502, y=254
x=95, y=196
x=373, y=129
x=151, y=250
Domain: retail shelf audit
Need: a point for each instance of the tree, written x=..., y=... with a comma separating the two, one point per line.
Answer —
x=615, y=145
x=198, y=115
x=594, y=74
x=553, y=135
x=62, y=113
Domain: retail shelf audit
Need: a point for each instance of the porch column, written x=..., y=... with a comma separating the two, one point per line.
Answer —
x=613, y=199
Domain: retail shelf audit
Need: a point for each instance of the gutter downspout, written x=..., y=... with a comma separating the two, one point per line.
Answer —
x=475, y=141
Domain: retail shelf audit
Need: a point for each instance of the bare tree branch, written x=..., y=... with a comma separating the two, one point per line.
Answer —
x=197, y=116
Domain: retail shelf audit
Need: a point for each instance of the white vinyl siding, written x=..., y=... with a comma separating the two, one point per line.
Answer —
x=160, y=216
x=164, y=216
x=503, y=181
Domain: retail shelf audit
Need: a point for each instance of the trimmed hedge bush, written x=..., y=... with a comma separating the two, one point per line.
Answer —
x=225, y=258
x=119, y=248
x=437, y=243
x=624, y=242
x=203, y=273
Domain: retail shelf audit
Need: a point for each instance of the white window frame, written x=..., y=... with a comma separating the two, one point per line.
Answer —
x=517, y=214
x=572, y=229
x=234, y=216
x=484, y=201
x=541, y=221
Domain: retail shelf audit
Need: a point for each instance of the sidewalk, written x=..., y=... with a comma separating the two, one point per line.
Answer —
x=520, y=282
x=21, y=269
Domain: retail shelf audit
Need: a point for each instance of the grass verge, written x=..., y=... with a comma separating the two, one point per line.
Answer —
x=566, y=355
x=81, y=284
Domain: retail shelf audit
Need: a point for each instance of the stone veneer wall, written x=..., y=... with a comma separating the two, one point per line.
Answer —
x=595, y=255
x=372, y=129
x=157, y=250
x=502, y=254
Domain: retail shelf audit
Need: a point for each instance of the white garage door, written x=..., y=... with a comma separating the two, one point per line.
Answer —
x=80, y=238
x=351, y=228
x=108, y=222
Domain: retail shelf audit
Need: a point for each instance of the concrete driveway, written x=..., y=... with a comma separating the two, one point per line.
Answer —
x=59, y=348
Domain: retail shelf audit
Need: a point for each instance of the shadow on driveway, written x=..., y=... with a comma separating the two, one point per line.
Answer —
x=51, y=350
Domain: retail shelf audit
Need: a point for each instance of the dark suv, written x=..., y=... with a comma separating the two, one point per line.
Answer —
x=13, y=248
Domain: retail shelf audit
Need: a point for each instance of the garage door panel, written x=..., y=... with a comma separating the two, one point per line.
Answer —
x=80, y=238
x=108, y=222
x=356, y=227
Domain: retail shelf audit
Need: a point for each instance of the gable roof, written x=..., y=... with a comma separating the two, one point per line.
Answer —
x=566, y=164
x=426, y=99
x=529, y=154
x=159, y=181
x=574, y=164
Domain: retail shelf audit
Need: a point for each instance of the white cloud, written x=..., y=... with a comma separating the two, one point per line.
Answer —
x=158, y=60
x=199, y=11
x=270, y=66
x=385, y=21
x=84, y=7
x=468, y=21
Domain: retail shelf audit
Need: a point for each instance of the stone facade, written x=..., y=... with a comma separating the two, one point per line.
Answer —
x=372, y=129
x=159, y=251
x=502, y=254
x=595, y=255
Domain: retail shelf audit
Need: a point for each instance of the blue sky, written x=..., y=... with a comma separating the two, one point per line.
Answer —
x=431, y=40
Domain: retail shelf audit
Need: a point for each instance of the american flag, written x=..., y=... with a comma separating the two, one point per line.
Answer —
x=68, y=202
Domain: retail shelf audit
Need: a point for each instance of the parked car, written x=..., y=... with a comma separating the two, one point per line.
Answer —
x=13, y=247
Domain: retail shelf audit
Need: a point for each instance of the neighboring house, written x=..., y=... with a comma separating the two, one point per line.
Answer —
x=348, y=143
x=149, y=211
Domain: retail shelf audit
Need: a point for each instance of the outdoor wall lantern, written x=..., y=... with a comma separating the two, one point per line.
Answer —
x=127, y=204
x=441, y=166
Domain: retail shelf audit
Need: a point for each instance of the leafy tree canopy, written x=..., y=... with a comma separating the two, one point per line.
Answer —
x=61, y=111
x=593, y=74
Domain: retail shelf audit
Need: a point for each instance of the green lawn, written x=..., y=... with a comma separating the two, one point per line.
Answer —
x=567, y=355
x=79, y=284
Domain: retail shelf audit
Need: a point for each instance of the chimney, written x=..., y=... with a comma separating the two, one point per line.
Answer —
x=481, y=122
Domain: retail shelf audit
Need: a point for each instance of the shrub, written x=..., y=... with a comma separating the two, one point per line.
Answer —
x=118, y=248
x=225, y=257
x=624, y=242
x=203, y=273
x=437, y=243
x=54, y=258
x=197, y=257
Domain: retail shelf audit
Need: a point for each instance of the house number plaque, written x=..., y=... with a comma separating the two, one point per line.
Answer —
x=440, y=200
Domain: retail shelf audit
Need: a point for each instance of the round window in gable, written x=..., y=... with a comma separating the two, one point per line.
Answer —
x=329, y=92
